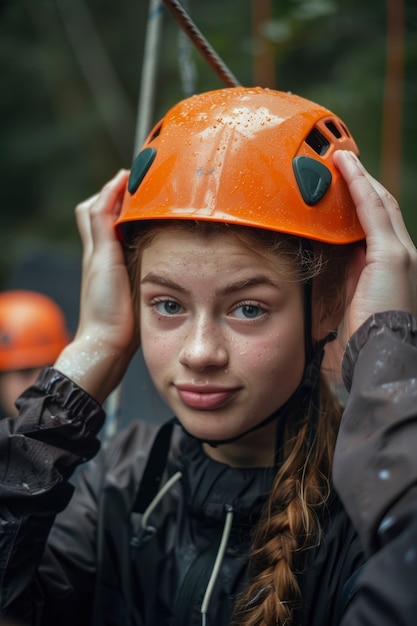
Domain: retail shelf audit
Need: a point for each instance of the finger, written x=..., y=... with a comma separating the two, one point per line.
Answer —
x=106, y=208
x=378, y=211
x=392, y=207
x=82, y=217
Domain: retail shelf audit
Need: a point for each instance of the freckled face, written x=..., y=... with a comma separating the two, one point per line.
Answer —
x=222, y=331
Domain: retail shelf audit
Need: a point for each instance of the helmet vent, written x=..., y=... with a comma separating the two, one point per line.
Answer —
x=317, y=141
x=313, y=178
x=140, y=167
x=345, y=129
x=156, y=132
x=333, y=129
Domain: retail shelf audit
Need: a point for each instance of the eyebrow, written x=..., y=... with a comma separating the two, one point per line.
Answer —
x=157, y=279
x=253, y=281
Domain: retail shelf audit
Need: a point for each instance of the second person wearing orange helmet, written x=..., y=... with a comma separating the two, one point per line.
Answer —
x=33, y=332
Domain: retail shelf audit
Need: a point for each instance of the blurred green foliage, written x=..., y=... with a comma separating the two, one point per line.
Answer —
x=71, y=73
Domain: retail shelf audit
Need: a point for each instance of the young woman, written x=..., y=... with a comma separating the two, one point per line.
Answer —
x=248, y=234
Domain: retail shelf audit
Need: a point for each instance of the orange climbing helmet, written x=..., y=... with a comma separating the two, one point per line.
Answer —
x=250, y=156
x=32, y=330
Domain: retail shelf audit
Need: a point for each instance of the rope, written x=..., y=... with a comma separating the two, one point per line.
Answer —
x=201, y=43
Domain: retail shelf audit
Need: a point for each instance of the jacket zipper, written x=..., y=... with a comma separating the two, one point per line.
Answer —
x=194, y=582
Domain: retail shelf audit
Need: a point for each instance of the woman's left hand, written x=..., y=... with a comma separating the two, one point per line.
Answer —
x=382, y=276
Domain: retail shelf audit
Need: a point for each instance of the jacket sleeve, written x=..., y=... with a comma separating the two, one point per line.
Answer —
x=39, y=450
x=375, y=467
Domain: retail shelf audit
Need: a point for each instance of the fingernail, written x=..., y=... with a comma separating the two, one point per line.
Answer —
x=351, y=156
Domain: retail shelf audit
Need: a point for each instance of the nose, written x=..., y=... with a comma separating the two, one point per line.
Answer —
x=204, y=345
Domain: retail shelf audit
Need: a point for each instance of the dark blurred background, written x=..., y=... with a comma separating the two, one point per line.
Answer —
x=71, y=72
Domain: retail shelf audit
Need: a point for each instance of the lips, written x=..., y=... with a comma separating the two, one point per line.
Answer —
x=205, y=399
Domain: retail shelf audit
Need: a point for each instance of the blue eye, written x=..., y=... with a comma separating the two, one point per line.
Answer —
x=168, y=307
x=248, y=311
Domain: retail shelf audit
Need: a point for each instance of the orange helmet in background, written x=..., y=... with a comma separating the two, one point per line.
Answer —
x=32, y=330
x=250, y=156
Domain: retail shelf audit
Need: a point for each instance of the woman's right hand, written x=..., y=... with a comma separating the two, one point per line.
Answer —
x=106, y=337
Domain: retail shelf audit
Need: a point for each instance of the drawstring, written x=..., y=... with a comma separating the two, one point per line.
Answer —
x=164, y=489
x=217, y=563
x=222, y=545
